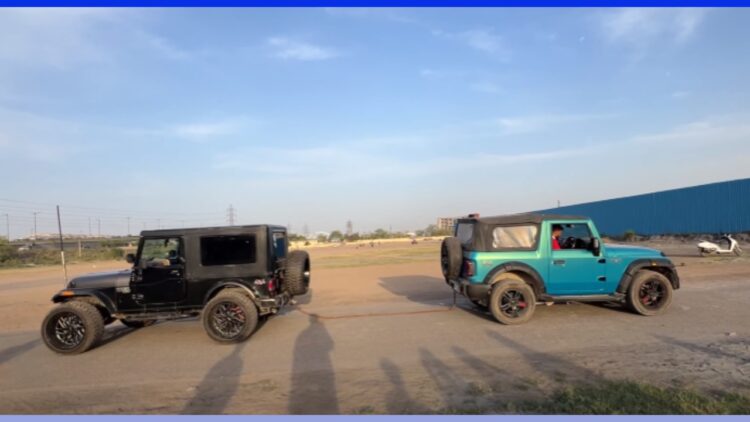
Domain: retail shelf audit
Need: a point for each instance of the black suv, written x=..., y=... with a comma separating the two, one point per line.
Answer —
x=232, y=275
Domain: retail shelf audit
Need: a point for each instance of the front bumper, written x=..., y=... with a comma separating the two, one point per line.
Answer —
x=473, y=291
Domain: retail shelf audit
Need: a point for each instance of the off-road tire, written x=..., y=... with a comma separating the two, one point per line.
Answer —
x=650, y=293
x=84, y=316
x=232, y=303
x=297, y=273
x=137, y=324
x=512, y=301
x=451, y=258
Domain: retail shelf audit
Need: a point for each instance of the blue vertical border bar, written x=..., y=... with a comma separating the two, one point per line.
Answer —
x=375, y=3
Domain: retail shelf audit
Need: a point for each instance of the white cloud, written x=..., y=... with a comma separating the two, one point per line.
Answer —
x=63, y=38
x=529, y=124
x=163, y=46
x=707, y=131
x=678, y=95
x=480, y=39
x=52, y=37
x=643, y=25
x=288, y=49
x=203, y=131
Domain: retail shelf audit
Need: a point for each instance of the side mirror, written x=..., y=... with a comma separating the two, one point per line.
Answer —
x=596, y=247
x=130, y=258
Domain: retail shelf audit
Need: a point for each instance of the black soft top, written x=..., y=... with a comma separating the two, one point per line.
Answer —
x=510, y=219
x=481, y=237
x=223, y=230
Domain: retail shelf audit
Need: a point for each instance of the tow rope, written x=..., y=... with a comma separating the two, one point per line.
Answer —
x=379, y=314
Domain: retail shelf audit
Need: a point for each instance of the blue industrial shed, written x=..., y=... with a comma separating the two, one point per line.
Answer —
x=722, y=207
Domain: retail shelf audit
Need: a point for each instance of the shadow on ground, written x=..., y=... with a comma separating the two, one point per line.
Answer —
x=313, y=383
x=419, y=288
x=14, y=351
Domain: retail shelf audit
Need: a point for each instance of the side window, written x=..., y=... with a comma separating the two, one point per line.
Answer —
x=228, y=250
x=514, y=237
x=279, y=244
x=161, y=252
x=575, y=236
x=465, y=233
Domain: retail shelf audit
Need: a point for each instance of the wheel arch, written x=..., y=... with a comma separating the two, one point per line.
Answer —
x=94, y=297
x=230, y=284
x=525, y=271
x=662, y=266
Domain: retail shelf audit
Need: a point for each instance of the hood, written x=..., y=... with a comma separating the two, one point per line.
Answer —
x=632, y=251
x=101, y=280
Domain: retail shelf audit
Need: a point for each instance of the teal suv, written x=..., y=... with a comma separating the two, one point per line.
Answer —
x=508, y=264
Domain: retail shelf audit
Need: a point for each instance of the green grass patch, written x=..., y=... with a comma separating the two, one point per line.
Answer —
x=632, y=398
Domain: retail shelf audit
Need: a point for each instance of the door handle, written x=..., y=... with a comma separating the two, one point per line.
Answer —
x=602, y=278
x=602, y=261
x=558, y=262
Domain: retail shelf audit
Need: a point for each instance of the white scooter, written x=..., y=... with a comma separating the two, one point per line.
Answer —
x=709, y=248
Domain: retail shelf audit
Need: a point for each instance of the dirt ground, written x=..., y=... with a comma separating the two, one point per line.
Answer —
x=337, y=353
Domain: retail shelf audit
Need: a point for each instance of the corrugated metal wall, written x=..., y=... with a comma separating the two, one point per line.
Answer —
x=722, y=207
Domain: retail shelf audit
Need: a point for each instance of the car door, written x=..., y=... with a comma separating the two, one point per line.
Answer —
x=574, y=269
x=159, y=275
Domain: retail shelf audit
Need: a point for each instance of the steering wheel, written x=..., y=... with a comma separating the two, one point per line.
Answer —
x=569, y=243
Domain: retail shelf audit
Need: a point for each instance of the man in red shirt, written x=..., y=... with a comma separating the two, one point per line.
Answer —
x=557, y=231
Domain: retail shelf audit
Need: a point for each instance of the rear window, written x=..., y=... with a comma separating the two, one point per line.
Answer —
x=465, y=233
x=279, y=244
x=514, y=237
x=228, y=250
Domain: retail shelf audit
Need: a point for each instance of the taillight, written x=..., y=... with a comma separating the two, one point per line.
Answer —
x=469, y=268
x=271, y=285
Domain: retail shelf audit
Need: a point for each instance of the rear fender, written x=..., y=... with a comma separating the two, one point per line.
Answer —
x=230, y=284
x=531, y=276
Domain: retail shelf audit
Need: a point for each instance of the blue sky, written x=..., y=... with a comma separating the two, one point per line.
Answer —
x=387, y=117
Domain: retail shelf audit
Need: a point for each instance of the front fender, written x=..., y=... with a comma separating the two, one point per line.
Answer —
x=98, y=297
x=662, y=265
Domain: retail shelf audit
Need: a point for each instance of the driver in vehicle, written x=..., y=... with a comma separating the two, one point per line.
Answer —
x=557, y=231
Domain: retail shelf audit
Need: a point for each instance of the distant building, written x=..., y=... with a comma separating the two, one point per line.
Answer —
x=446, y=223
x=722, y=207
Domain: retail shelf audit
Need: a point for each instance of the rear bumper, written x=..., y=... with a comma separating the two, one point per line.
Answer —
x=473, y=291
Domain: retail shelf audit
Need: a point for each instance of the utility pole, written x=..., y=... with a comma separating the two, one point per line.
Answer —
x=89, y=226
x=128, y=226
x=158, y=223
x=558, y=203
x=349, y=228
x=35, y=213
x=305, y=231
x=62, y=247
x=99, y=227
x=231, y=215
x=7, y=226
